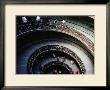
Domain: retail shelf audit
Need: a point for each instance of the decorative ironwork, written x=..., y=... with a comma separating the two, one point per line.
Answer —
x=62, y=49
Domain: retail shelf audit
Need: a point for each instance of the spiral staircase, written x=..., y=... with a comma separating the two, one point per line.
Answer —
x=55, y=45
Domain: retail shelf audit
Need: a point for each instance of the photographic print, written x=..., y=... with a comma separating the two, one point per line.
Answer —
x=62, y=45
x=55, y=44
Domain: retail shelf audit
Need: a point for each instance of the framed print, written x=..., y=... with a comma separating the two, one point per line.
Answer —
x=59, y=44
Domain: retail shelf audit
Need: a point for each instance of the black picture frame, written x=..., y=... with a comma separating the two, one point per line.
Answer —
x=2, y=36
